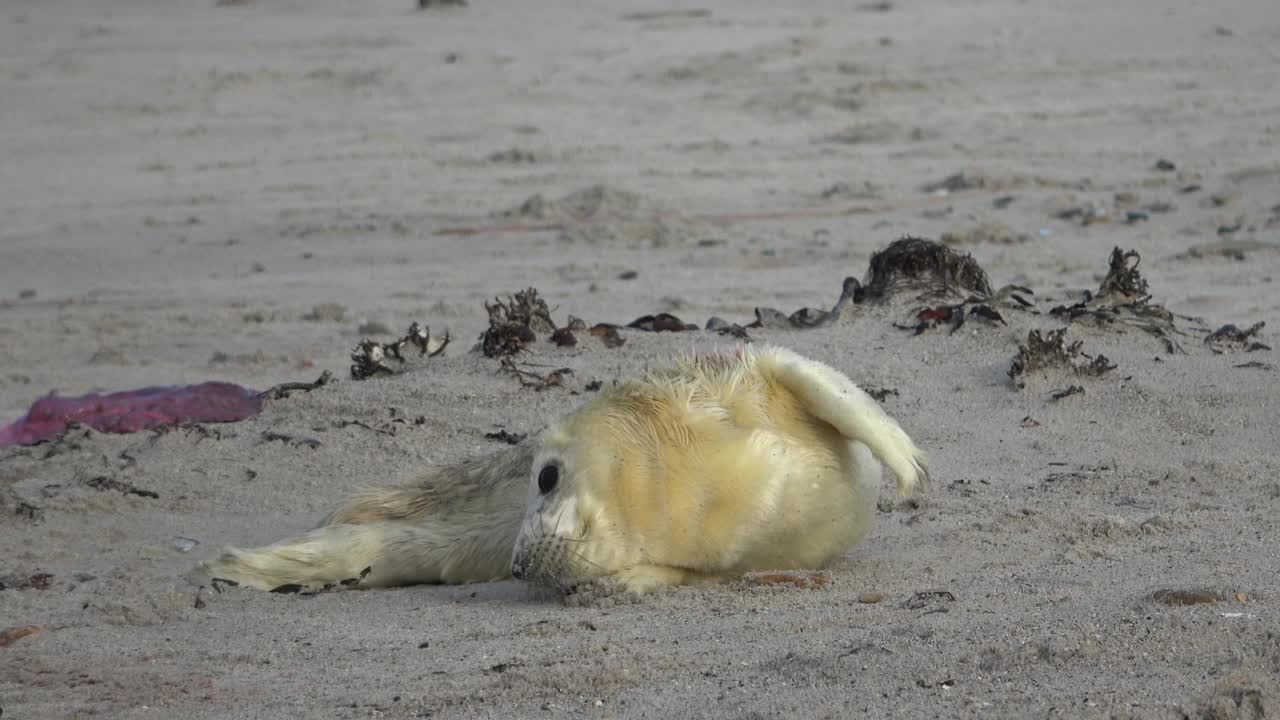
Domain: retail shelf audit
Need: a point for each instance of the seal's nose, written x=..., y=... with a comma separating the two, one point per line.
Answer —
x=517, y=572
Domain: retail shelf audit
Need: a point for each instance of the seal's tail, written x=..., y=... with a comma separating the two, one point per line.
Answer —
x=456, y=524
x=833, y=398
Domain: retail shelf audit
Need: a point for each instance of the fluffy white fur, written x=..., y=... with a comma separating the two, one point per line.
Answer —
x=718, y=466
x=712, y=467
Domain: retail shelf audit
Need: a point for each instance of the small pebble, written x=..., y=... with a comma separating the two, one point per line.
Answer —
x=871, y=598
x=184, y=543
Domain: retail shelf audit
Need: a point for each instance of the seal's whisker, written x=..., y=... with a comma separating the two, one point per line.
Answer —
x=559, y=517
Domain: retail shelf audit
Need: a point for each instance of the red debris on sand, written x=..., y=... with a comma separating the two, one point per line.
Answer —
x=134, y=410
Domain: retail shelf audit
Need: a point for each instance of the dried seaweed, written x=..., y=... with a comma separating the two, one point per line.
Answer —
x=921, y=270
x=529, y=378
x=882, y=394
x=1123, y=299
x=514, y=323
x=723, y=327
x=523, y=308
x=1046, y=352
x=662, y=322
x=1230, y=338
x=37, y=581
x=504, y=436
x=1123, y=283
x=272, y=436
x=1067, y=392
x=371, y=357
x=930, y=267
x=105, y=483
x=564, y=337
x=608, y=334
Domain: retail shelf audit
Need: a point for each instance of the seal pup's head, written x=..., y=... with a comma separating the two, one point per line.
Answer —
x=578, y=488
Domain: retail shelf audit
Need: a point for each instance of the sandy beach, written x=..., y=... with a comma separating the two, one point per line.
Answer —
x=245, y=190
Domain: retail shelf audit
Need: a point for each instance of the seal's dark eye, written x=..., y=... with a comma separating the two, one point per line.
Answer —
x=548, y=478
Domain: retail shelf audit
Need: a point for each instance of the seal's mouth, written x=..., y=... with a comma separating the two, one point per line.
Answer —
x=559, y=546
x=550, y=561
x=557, y=562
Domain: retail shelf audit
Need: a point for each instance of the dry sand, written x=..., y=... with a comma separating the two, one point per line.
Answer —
x=183, y=183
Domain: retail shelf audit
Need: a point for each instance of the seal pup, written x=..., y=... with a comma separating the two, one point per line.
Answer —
x=710, y=468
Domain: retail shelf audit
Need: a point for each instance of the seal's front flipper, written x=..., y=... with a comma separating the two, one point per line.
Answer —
x=643, y=579
x=834, y=399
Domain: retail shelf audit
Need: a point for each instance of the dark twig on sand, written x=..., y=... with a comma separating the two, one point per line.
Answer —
x=1068, y=392
x=528, y=378
x=509, y=438
x=103, y=482
x=271, y=436
x=282, y=390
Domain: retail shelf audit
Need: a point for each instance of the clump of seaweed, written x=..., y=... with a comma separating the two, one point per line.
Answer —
x=926, y=266
x=925, y=269
x=514, y=323
x=1230, y=338
x=1123, y=299
x=373, y=358
x=1041, y=353
x=662, y=322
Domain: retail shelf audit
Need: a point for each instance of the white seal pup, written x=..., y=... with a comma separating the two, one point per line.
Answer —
x=714, y=467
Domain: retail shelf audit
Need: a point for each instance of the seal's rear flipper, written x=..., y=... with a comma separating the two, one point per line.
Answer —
x=833, y=398
x=452, y=524
x=396, y=553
